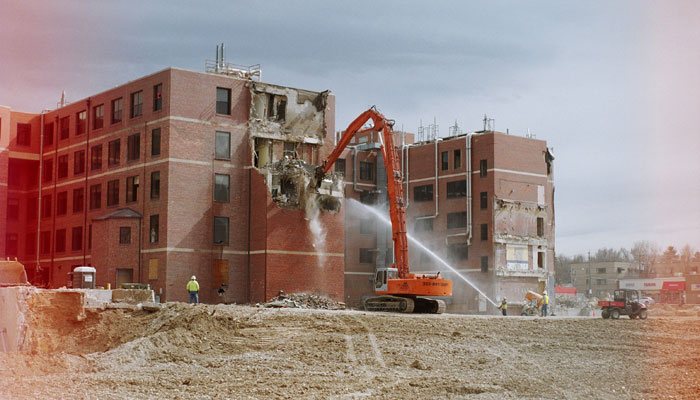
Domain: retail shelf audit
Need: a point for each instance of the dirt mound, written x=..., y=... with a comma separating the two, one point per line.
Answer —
x=674, y=310
x=304, y=300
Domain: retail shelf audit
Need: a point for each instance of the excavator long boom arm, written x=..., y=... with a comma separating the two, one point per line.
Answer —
x=397, y=207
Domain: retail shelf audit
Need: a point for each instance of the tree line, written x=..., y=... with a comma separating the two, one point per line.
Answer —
x=643, y=253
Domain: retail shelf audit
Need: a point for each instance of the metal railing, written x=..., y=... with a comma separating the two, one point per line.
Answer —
x=253, y=72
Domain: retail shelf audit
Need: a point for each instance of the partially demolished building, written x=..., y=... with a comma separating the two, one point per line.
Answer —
x=175, y=174
x=483, y=202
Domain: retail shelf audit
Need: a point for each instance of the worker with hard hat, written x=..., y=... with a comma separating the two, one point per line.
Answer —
x=193, y=290
x=504, y=307
x=545, y=303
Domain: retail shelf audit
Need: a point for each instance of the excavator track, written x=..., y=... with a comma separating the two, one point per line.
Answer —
x=405, y=304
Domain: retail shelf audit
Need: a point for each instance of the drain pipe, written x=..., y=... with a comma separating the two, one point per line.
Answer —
x=40, y=180
x=408, y=157
x=354, y=169
x=437, y=183
x=468, y=146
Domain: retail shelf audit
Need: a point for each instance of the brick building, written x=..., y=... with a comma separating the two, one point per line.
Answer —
x=483, y=202
x=168, y=176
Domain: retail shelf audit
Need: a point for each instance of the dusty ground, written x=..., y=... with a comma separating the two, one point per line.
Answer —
x=244, y=352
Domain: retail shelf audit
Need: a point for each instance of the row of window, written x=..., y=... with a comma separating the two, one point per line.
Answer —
x=455, y=252
x=455, y=189
x=367, y=168
x=456, y=160
x=60, y=241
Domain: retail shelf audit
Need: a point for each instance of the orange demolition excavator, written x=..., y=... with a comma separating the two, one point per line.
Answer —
x=396, y=288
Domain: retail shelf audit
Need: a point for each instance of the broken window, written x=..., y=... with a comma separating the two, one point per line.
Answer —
x=24, y=134
x=124, y=235
x=290, y=149
x=366, y=171
x=133, y=147
x=221, y=230
x=80, y=122
x=367, y=226
x=445, y=160
x=540, y=226
x=485, y=264
x=223, y=101
x=113, y=193
x=96, y=157
x=483, y=168
x=77, y=238
x=155, y=185
x=276, y=107
x=423, y=193
x=457, y=220
x=223, y=145
x=153, y=229
x=155, y=142
x=78, y=162
x=484, y=200
x=484, y=231
x=457, y=159
x=366, y=256
x=60, y=240
x=98, y=115
x=423, y=224
x=114, y=152
x=158, y=97
x=64, y=128
x=62, y=203
x=46, y=206
x=95, y=196
x=62, y=170
x=117, y=110
x=137, y=104
x=221, y=188
x=132, y=188
x=457, y=252
x=456, y=189
x=340, y=166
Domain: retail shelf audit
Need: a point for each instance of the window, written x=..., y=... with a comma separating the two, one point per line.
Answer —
x=136, y=104
x=223, y=145
x=340, y=166
x=60, y=240
x=62, y=170
x=600, y=270
x=64, y=128
x=133, y=147
x=96, y=157
x=62, y=203
x=30, y=243
x=95, y=196
x=367, y=226
x=48, y=134
x=484, y=200
x=77, y=238
x=483, y=168
x=46, y=206
x=78, y=162
x=423, y=193
x=223, y=101
x=220, y=230
x=457, y=159
x=45, y=242
x=221, y=188
x=117, y=108
x=367, y=197
x=456, y=189
x=132, y=188
x=124, y=235
x=98, y=116
x=366, y=256
x=11, y=245
x=113, y=193
x=540, y=259
x=32, y=208
x=80, y=122
x=601, y=281
x=47, y=173
x=89, y=236
x=155, y=185
x=423, y=224
x=485, y=264
x=445, y=160
x=484, y=231
x=153, y=228
x=24, y=134
x=457, y=252
x=12, y=209
x=366, y=171
x=155, y=142
x=276, y=107
x=113, y=152
x=158, y=97
x=78, y=199
x=290, y=149
x=456, y=220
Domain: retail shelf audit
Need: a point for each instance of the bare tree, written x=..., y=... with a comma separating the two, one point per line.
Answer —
x=644, y=253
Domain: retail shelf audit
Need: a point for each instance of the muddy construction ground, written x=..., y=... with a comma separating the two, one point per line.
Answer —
x=239, y=352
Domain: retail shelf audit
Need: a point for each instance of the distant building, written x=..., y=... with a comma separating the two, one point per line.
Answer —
x=600, y=279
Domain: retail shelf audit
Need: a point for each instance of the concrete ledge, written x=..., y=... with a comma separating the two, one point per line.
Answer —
x=132, y=296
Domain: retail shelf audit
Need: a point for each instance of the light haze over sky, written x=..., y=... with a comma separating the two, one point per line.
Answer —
x=612, y=86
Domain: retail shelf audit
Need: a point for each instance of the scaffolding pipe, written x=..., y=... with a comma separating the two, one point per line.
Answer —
x=468, y=146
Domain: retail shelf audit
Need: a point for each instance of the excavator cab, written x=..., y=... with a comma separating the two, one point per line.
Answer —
x=381, y=283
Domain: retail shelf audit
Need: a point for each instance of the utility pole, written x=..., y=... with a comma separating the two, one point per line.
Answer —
x=590, y=292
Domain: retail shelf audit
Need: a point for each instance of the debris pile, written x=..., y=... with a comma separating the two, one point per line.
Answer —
x=292, y=183
x=304, y=300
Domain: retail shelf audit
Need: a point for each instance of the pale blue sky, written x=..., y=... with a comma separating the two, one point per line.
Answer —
x=611, y=85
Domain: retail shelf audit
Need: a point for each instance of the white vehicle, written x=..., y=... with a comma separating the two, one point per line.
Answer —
x=647, y=300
